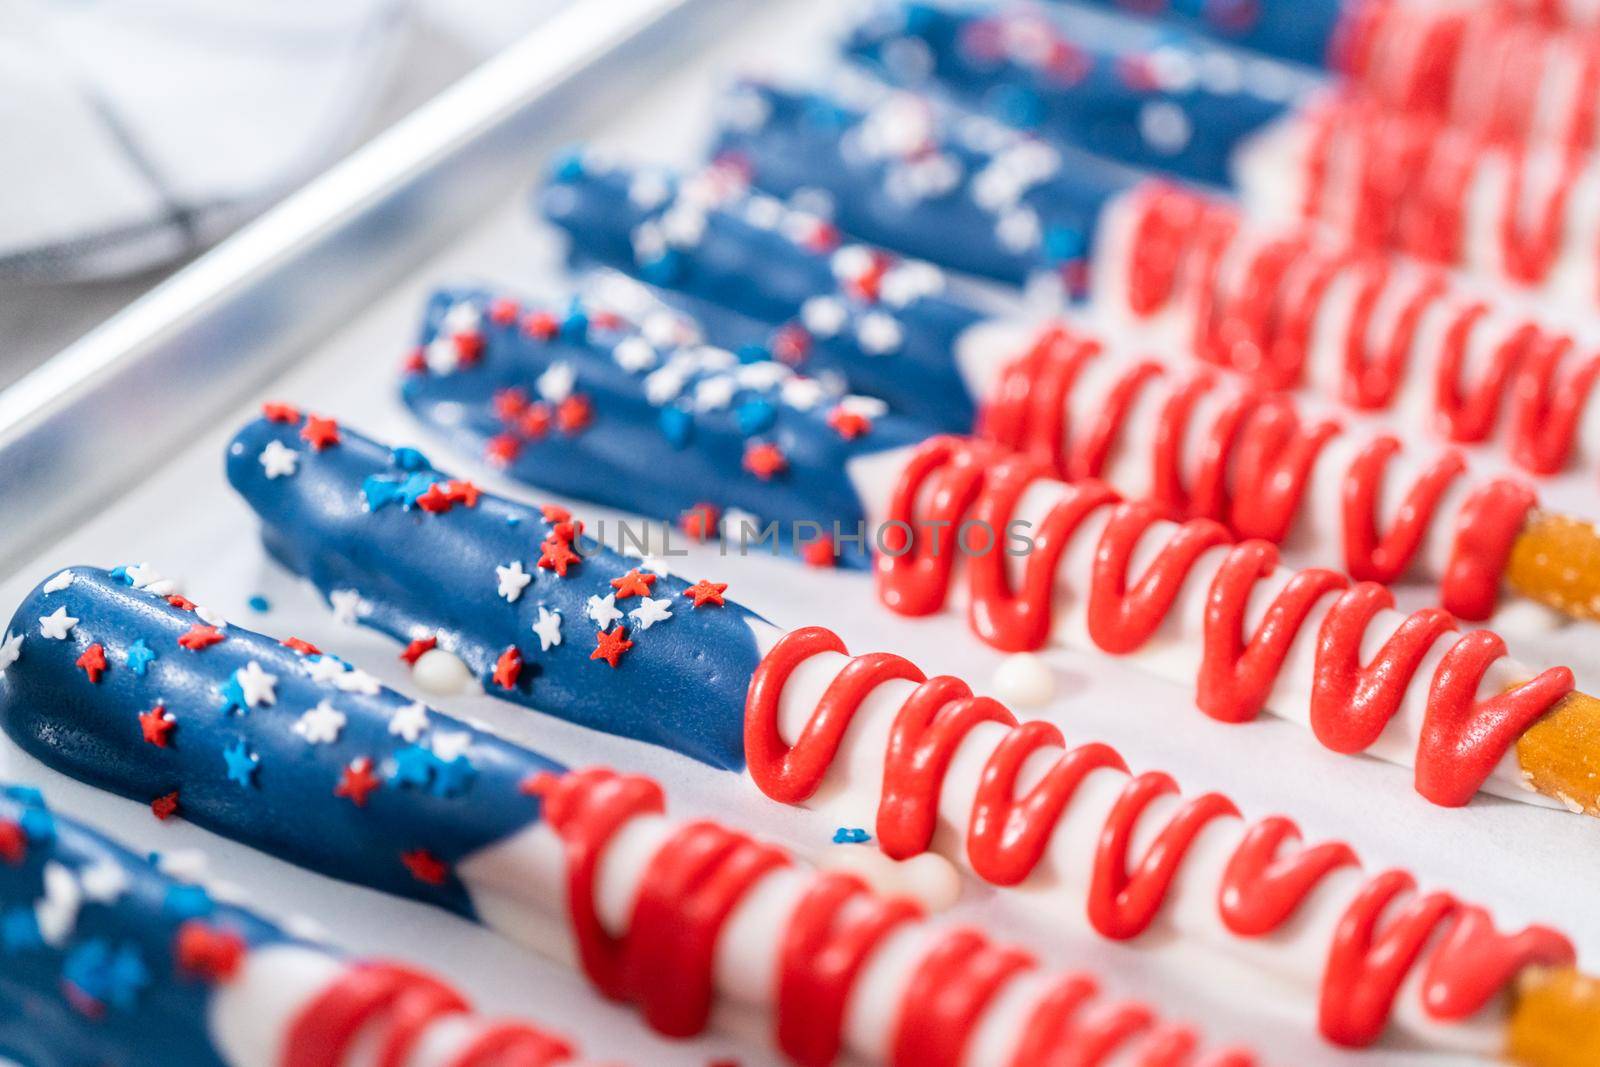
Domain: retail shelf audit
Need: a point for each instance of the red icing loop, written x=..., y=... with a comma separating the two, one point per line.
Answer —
x=1267, y=880
x=1254, y=464
x=701, y=873
x=1258, y=318
x=949, y=480
x=394, y=1007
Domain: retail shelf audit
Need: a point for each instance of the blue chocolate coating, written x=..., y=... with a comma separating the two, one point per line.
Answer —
x=106, y=989
x=1301, y=31
x=244, y=771
x=348, y=520
x=760, y=260
x=1129, y=90
x=906, y=172
x=671, y=429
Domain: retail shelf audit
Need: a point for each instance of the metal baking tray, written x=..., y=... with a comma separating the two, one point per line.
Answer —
x=112, y=453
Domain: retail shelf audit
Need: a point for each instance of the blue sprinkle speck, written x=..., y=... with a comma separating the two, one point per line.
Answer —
x=259, y=603
x=851, y=835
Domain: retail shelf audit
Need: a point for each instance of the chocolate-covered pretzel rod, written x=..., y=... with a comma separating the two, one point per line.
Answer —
x=111, y=959
x=940, y=770
x=290, y=750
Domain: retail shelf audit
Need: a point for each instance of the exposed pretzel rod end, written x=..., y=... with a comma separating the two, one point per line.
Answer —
x=1555, y=1019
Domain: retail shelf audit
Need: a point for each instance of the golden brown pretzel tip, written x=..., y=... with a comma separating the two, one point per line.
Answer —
x=1555, y=1019
x=1560, y=754
x=1556, y=561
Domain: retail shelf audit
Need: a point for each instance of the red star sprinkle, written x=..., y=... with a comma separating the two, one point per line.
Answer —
x=502, y=450
x=848, y=424
x=414, y=363
x=700, y=522
x=206, y=953
x=461, y=492
x=93, y=661
x=537, y=784
x=566, y=530
x=200, y=637
x=508, y=668
x=541, y=324
x=305, y=648
x=819, y=553
x=509, y=403
x=156, y=726
x=166, y=806
x=765, y=461
x=319, y=432
x=280, y=412
x=435, y=500
x=417, y=647
x=611, y=644
x=535, y=422
x=705, y=592
x=425, y=866
x=867, y=284
x=182, y=603
x=469, y=346
x=634, y=583
x=574, y=413
x=13, y=842
x=791, y=344
x=503, y=311
x=554, y=513
x=556, y=555
x=357, y=782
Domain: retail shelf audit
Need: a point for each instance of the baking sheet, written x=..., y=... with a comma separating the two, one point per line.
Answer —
x=1527, y=863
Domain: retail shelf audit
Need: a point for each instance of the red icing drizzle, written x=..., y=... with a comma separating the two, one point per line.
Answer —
x=1255, y=460
x=395, y=1007
x=1534, y=383
x=951, y=480
x=664, y=961
x=1267, y=880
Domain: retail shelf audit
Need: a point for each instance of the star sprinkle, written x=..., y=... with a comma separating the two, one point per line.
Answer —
x=574, y=414
x=409, y=722
x=165, y=806
x=701, y=521
x=257, y=686
x=766, y=461
x=512, y=580
x=305, y=648
x=508, y=668
x=145, y=577
x=347, y=605
x=357, y=782
x=633, y=584
x=58, y=583
x=93, y=662
x=320, y=725
x=57, y=625
x=104, y=882
x=202, y=951
x=556, y=555
x=277, y=412
x=156, y=726
x=548, y=628
x=610, y=645
x=278, y=460
x=353, y=680
x=139, y=658
x=416, y=647
x=502, y=450
x=13, y=842
x=320, y=433
x=848, y=424
x=651, y=611
x=242, y=764
x=10, y=650
x=414, y=766
x=451, y=746
x=425, y=867
x=603, y=610
x=56, y=912
x=324, y=669
x=19, y=931
x=704, y=592
x=199, y=637
x=556, y=383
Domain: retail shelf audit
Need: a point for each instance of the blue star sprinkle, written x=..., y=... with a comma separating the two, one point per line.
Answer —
x=107, y=976
x=851, y=835
x=140, y=657
x=414, y=765
x=414, y=485
x=233, y=702
x=677, y=425
x=380, y=491
x=188, y=901
x=26, y=795
x=242, y=765
x=19, y=931
x=39, y=825
x=754, y=416
x=453, y=778
x=409, y=459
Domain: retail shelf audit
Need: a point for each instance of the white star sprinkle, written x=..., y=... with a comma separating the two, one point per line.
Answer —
x=548, y=627
x=10, y=650
x=603, y=610
x=823, y=315
x=463, y=317
x=145, y=577
x=442, y=355
x=555, y=384
x=409, y=722
x=347, y=605
x=56, y=911
x=57, y=625
x=209, y=617
x=320, y=725
x=878, y=334
x=258, y=687
x=635, y=355
x=59, y=582
x=714, y=394
x=352, y=680
x=802, y=393
x=325, y=669
x=449, y=746
x=278, y=460
x=103, y=882
x=650, y=611
x=513, y=580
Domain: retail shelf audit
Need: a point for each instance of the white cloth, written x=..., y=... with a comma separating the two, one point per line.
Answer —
x=132, y=132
